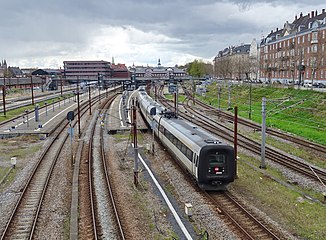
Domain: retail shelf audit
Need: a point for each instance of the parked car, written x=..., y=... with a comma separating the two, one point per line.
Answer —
x=319, y=85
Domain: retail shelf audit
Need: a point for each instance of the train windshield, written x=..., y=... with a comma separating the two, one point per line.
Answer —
x=216, y=164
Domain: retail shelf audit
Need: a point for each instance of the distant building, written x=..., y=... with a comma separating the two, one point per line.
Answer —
x=237, y=62
x=3, y=68
x=87, y=70
x=28, y=71
x=296, y=53
x=119, y=70
x=158, y=72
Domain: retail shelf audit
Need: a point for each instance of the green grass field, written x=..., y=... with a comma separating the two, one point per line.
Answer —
x=302, y=112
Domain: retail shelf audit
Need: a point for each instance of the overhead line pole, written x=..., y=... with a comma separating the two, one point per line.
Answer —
x=263, y=133
x=32, y=88
x=4, y=99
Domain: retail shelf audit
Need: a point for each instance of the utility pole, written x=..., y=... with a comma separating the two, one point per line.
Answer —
x=193, y=91
x=300, y=69
x=32, y=87
x=263, y=134
x=78, y=107
x=250, y=91
x=229, y=95
x=99, y=86
x=61, y=85
x=89, y=100
x=4, y=99
x=235, y=144
x=134, y=124
x=219, y=98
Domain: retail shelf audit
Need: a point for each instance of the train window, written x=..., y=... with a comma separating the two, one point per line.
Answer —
x=179, y=145
x=174, y=140
x=216, y=164
x=183, y=148
x=189, y=154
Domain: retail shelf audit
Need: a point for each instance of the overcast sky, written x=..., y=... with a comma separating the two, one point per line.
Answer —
x=44, y=33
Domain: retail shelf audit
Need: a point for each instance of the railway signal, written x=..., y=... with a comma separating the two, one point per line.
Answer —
x=70, y=118
x=134, y=124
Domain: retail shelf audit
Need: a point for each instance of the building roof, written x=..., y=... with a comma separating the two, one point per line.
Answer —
x=241, y=49
x=299, y=25
x=15, y=71
x=40, y=72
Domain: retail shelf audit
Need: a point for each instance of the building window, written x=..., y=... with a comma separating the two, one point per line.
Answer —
x=298, y=40
x=314, y=36
x=309, y=37
x=314, y=48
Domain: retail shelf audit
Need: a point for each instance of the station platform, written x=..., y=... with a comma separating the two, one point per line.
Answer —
x=44, y=123
x=118, y=119
x=119, y=114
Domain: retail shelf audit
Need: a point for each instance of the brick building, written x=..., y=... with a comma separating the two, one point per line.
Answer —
x=87, y=70
x=296, y=53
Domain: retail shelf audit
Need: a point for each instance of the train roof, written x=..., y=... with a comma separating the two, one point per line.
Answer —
x=192, y=132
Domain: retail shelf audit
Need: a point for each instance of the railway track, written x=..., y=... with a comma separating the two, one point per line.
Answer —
x=94, y=177
x=226, y=133
x=23, y=219
x=273, y=132
x=248, y=225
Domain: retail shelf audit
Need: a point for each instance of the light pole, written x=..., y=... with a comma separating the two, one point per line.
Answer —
x=78, y=107
x=250, y=98
x=99, y=75
x=4, y=98
x=32, y=87
x=61, y=85
x=89, y=100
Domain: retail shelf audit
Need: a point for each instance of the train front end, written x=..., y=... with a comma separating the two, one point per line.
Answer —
x=216, y=167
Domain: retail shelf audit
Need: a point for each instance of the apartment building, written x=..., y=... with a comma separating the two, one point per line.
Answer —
x=237, y=62
x=296, y=53
x=87, y=70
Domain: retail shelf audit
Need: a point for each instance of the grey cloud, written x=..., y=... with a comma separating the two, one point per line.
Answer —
x=67, y=26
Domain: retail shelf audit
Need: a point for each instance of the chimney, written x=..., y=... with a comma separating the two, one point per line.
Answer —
x=323, y=10
x=316, y=13
x=312, y=14
x=296, y=17
x=308, y=15
x=276, y=29
x=301, y=15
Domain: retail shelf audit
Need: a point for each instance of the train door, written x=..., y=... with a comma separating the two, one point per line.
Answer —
x=194, y=163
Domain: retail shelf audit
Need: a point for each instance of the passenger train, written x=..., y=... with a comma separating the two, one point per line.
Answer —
x=210, y=161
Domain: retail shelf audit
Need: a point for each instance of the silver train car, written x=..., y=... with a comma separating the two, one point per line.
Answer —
x=210, y=161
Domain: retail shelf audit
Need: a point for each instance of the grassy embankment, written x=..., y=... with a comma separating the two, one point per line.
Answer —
x=301, y=112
